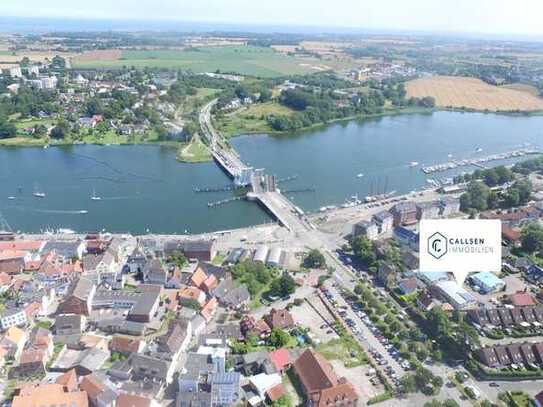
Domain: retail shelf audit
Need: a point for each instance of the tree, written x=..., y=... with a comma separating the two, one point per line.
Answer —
x=265, y=95
x=177, y=258
x=476, y=197
x=279, y=338
x=408, y=383
x=61, y=130
x=532, y=238
x=283, y=401
x=283, y=286
x=364, y=250
x=314, y=259
x=7, y=130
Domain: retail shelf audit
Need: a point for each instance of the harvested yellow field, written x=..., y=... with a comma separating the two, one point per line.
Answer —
x=472, y=93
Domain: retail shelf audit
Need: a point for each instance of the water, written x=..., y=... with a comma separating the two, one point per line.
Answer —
x=143, y=187
x=381, y=149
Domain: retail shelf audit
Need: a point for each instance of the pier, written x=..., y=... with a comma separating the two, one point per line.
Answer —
x=478, y=162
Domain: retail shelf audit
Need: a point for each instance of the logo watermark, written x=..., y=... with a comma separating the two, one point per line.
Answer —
x=460, y=246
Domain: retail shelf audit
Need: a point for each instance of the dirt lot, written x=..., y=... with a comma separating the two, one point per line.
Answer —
x=306, y=316
x=472, y=93
x=361, y=382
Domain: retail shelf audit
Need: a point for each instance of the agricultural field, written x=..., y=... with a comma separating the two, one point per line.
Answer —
x=245, y=60
x=472, y=93
x=252, y=119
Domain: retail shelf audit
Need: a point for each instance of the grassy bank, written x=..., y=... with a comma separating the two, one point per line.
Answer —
x=193, y=152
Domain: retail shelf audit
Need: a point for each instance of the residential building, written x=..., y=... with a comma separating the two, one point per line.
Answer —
x=404, y=213
x=320, y=384
x=79, y=298
x=279, y=319
x=427, y=210
x=384, y=221
x=366, y=228
x=48, y=395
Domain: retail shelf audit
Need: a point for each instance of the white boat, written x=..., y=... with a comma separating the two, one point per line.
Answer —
x=94, y=197
x=11, y=198
x=83, y=211
x=37, y=193
x=46, y=146
x=359, y=175
x=479, y=149
x=66, y=231
x=413, y=164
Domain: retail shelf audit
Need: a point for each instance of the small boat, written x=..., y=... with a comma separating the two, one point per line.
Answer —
x=11, y=198
x=66, y=231
x=37, y=193
x=83, y=212
x=479, y=149
x=413, y=164
x=46, y=146
x=94, y=197
x=359, y=175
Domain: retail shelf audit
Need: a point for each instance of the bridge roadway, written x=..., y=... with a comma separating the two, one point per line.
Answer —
x=274, y=202
x=226, y=158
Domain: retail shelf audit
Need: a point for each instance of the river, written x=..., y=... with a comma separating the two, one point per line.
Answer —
x=143, y=188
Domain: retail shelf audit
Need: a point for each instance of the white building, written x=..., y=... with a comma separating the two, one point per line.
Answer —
x=49, y=82
x=16, y=72
x=33, y=70
x=274, y=258
x=261, y=254
x=12, y=317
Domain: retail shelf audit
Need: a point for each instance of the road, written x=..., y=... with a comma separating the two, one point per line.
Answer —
x=302, y=232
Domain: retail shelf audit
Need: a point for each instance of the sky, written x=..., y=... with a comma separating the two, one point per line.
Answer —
x=521, y=17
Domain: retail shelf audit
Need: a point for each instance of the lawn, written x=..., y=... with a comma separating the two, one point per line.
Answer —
x=193, y=152
x=251, y=120
x=345, y=349
x=246, y=60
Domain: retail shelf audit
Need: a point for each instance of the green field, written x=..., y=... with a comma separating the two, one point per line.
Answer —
x=252, y=119
x=246, y=60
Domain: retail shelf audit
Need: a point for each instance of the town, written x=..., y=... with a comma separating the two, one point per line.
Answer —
x=255, y=317
x=228, y=284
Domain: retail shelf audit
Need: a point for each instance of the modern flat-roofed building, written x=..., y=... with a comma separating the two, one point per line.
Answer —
x=487, y=282
x=455, y=295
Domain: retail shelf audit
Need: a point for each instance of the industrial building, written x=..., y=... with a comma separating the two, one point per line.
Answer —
x=487, y=282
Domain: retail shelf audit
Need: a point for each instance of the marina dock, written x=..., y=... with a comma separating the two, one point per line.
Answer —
x=478, y=162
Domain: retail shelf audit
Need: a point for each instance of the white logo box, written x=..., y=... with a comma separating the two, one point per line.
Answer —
x=460, y=246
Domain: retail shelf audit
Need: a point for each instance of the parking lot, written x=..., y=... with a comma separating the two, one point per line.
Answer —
x=383, y=353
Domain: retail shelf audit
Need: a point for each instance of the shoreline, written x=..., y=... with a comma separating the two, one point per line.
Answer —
x=12, y=142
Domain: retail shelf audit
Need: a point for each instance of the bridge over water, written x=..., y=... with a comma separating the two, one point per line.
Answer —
x=263, y=186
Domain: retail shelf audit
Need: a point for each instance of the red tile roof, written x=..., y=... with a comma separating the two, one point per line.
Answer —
x=132, y=400
x=280, y=358
x=24, y=245
x=209, y=309
x=68, y=380
x=276, y=392
x=521, y=299
x=314, y=371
